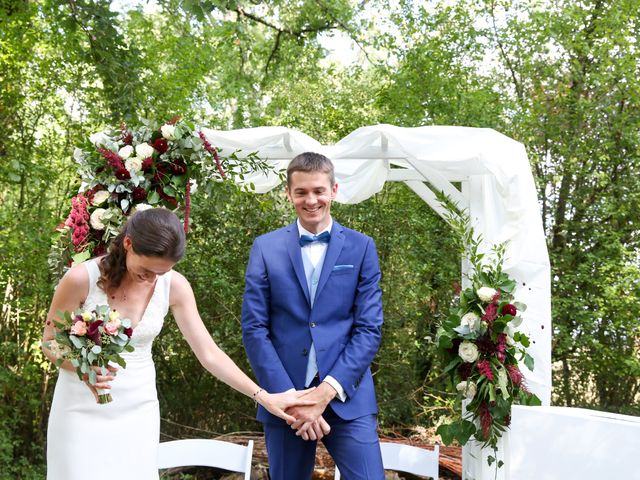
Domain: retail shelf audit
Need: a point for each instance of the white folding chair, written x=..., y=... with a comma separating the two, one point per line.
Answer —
x=406, y=458
x=206, y=453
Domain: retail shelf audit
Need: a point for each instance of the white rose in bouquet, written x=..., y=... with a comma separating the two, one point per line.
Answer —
x=141, y=207
x=100, y=139
x=144, y=150
x=486, y=294
x=100, y=197
x=168, y=132
x=467, y=388
x=96, y=218
x=471, y=320
x=468, y=352
x=133, y=164
x=125, y=152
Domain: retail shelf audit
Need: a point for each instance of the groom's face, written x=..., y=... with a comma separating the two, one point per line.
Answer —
x=311, y=194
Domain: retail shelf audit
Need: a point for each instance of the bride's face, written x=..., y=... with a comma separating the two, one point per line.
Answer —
x=143, y=269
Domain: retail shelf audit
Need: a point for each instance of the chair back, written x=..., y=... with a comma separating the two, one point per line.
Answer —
x=409, y=459
x=206, y=453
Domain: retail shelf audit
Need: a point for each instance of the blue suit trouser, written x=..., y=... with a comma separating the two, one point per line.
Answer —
x=353, y=445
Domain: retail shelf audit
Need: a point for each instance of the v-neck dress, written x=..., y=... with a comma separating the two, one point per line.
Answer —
x=118, y=440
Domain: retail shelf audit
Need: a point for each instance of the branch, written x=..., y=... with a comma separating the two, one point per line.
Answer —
x=352, y=35
x=503, y=53
x=276, y=46
x=295, y=33
x=240, y=12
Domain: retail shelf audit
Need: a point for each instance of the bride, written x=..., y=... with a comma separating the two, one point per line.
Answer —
x=136, y=279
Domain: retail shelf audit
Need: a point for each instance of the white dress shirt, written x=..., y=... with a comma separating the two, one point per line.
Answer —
x=314, y=252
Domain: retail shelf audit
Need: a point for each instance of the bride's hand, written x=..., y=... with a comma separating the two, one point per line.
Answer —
x=277, y=403
x=102, y=381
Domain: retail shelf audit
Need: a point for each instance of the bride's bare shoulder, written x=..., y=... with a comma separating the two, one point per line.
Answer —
x=77, y=276
x=179, y=281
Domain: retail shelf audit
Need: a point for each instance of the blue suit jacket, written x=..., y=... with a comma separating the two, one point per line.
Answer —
x=278, y=323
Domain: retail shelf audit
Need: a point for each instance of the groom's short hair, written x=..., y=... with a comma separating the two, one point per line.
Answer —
x=311, y=162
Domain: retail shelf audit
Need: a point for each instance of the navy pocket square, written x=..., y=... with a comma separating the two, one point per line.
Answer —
x=337, y=268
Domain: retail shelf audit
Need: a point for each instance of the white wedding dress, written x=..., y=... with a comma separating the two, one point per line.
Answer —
x=118, y=440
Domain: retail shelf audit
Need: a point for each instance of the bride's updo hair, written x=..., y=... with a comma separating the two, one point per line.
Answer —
x=156, y=232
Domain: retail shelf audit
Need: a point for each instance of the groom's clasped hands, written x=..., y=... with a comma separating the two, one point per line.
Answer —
x=307, y=419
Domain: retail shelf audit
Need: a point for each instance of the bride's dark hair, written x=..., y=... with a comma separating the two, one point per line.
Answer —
x=156, y=232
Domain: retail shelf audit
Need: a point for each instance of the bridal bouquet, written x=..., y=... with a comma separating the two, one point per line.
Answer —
x=481, y=347
x=91, y=338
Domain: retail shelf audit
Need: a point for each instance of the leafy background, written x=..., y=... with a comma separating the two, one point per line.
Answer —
x=560, y=77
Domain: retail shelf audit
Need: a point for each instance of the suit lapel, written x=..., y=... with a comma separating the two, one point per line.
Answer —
x=293, y=247
x=333, y=251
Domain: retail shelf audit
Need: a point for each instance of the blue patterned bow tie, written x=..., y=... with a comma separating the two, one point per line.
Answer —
x=324, y=237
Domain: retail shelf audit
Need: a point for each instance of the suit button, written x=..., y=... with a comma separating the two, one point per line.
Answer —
x=305, y=352
x=313, y=325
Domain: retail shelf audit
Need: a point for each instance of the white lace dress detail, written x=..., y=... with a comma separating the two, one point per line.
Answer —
x=118, y=440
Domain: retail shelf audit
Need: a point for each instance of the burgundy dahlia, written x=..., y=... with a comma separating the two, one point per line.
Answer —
x=486, y=345
x=123, y=174
x=139, y=194
x=179, y=168
x=509, y=309
x=464, y=370
x=161, y=145
x=147, y=163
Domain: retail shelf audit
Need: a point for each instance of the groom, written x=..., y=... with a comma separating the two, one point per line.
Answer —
x=311, y=317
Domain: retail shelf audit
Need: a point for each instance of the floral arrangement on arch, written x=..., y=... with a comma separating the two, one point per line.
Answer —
x=481, y=347
x=129, y=169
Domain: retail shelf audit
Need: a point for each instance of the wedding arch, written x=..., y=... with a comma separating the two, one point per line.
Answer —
x=479, y=169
